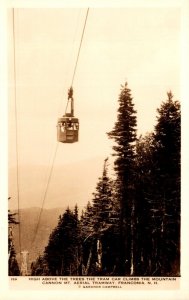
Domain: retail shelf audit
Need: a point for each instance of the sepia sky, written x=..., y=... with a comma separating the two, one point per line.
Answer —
x=137, y=45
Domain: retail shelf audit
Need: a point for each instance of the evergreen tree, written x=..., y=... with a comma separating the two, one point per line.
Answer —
x=158, y=195
x=87, y=239
x=86, y=222
x=145, y=208
x=102, y=201
x=105, y=220
x=124, y=134
x=167, y=172
x=62, y=252
x=13, y=264
x=39, y=267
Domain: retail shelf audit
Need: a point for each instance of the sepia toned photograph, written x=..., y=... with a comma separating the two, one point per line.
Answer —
x=94, y=101
x=94, y=142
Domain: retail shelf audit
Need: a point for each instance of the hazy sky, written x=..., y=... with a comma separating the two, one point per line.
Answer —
x=137, y=45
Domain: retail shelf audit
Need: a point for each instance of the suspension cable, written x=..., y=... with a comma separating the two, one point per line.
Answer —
x=16, y=136
x=80, y=46
x=79, y=50
x=70, y=57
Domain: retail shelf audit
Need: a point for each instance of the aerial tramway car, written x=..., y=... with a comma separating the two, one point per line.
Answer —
x=68, y=125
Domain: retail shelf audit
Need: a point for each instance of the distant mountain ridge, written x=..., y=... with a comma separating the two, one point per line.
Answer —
x=31, y=240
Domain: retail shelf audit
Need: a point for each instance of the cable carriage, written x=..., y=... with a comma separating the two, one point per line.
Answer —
x=68, y=125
